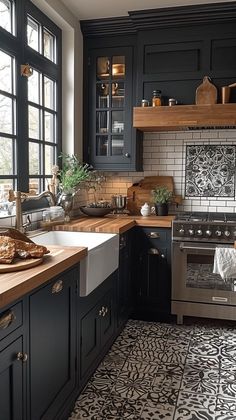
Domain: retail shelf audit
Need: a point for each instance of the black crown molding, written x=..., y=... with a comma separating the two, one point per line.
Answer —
x=160, y=18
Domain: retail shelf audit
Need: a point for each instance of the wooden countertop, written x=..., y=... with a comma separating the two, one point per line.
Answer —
x=17, y=284
x=114, y=223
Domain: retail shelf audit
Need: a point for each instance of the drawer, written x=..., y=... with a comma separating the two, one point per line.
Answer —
x=11, y=319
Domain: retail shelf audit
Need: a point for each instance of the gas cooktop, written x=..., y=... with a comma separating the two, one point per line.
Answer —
x=206, y=217
x=202, y=226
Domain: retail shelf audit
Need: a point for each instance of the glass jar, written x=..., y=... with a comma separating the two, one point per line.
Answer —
x=156, y=98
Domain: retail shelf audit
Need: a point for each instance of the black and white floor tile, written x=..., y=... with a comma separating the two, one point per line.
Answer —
x=165, y=372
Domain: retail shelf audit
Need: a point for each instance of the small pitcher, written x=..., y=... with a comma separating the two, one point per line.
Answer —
x=145, y=210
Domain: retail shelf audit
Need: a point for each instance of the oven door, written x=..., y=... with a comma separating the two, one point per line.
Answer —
x=192, y=275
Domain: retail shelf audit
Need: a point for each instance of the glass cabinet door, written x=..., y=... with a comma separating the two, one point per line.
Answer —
x=112, y=99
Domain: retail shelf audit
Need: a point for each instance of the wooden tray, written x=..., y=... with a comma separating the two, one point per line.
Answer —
x=206, y=93
x=20, y=265
x=140, y=193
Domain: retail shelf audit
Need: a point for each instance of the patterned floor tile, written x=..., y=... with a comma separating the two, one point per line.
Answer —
x=192, y=406
x=225, y=408
x=119, y=408
x=200, y=380
x=159, y=412
x=162, y=395
x=133, y=385
x=165, y=372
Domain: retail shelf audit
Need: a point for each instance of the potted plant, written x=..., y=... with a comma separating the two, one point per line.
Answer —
x=161, y=197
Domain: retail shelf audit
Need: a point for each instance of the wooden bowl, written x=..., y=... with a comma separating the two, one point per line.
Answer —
x=95, y=211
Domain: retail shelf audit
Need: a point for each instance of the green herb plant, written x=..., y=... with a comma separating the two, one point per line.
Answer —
x=72, y=173
x=161, y=195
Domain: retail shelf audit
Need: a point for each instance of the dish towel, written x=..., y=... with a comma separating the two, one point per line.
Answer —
x=225, y=263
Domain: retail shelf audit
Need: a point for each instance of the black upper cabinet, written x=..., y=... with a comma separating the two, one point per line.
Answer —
x=113, y=143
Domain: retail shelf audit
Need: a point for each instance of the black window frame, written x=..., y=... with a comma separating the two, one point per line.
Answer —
x=16, y=45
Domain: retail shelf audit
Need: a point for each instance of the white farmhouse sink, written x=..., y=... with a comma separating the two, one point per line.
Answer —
x=102, y=259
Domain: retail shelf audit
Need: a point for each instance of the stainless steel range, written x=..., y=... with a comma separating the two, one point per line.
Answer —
x=196, y=291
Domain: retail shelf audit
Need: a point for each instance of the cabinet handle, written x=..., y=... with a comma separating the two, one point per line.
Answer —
x=57, y=287
x=153, y=251
x=127, y=155
x=22, y=356
x=153, y=235
x=6, y=320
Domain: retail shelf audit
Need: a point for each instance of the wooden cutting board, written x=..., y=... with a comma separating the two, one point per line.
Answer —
x=20, y=265
x=206, y=93
x=141, y=192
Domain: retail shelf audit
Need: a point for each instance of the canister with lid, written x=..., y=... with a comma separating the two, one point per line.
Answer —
x=156, y=98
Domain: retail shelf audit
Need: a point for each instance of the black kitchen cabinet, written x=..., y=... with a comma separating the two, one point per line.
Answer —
x=97, y=326
x=52, y=346
x=113, y=144
x=13, y=358
x=124, y=290
x=152, y=273
x=11, y=380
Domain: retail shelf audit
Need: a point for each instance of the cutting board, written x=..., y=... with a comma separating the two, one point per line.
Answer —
x=141, y=192
x=206, y=93
x=20, y=265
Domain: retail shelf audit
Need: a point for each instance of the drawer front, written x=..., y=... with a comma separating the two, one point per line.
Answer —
x=11, y=319
x=156, y=235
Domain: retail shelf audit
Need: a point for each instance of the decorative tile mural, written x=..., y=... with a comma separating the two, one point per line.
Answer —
x=210, y=171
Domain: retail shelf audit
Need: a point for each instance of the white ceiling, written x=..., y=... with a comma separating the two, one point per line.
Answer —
x=93, y=9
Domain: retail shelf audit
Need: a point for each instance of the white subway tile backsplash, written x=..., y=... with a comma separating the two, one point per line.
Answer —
x=164, y=154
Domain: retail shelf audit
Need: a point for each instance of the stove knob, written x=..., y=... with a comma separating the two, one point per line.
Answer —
x=218, y=233
x=227, y=233
x=199, y=232
x=191, y=232
x=208, y=233
x=181, y=231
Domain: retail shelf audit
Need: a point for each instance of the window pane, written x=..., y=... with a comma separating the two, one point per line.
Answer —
x=48, y=45
x=103, y=67
x=118, y=66
x=33, y=34
x=5, y=72
x=34, y=122
x=117, y=146
x=34, y=159
x=49, y=127
x=5, y=15
x=49, y=93
x=34, y=186
x=33, y=87
x=102, y=125
x=6, y=117
x=5, y=186
x=117, y=121
x=49, y=159
x=6, y=156
x=102, y=146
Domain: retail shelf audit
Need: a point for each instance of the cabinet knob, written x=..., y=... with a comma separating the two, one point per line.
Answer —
x=127, y=155
x=57, y=287
x=7, y=319
x=22, y=356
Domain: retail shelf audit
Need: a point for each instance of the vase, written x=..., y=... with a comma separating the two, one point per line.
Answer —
x=66, y=202
x=161, y=209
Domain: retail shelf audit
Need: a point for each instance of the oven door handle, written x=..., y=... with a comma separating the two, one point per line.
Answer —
x=195, y=248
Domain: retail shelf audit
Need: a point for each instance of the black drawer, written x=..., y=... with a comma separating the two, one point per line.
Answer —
x=11, y=319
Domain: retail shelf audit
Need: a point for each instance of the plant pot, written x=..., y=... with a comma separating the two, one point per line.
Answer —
x=161, y=209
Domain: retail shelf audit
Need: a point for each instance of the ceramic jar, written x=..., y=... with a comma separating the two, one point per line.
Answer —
x=145, y=210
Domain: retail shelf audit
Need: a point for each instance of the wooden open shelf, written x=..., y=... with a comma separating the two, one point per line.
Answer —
x=182, y=117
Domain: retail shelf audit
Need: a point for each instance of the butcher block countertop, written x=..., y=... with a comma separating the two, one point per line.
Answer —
x=114, y=223
x=16, y=284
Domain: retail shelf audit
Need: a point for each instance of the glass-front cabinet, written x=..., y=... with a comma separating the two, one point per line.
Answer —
x=110, y=108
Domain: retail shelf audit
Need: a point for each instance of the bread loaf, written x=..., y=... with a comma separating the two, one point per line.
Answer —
x=12, y=248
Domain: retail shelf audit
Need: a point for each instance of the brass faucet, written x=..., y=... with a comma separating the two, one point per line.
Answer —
x=19, y=197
